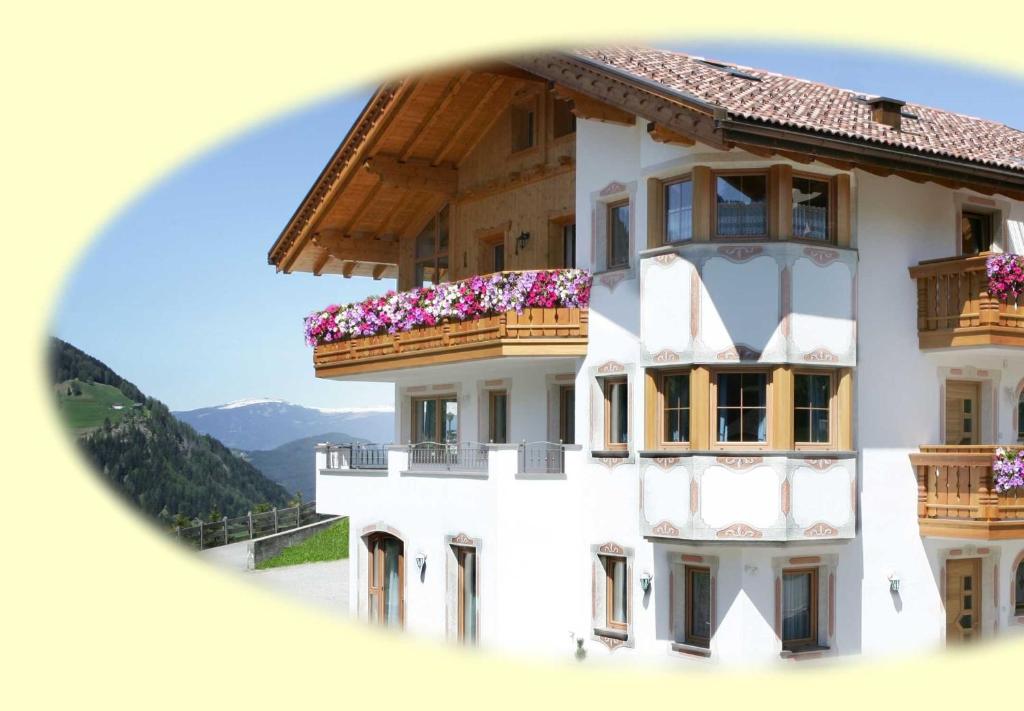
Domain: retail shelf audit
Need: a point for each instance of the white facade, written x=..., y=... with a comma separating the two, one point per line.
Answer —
x=745, y=516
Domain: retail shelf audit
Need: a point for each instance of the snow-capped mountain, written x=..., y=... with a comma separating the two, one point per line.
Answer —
x=266, y=423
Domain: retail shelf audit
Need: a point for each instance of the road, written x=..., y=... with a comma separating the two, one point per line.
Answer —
x=324, y=585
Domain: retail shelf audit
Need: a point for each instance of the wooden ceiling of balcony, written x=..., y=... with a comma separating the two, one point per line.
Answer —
x=393, y=177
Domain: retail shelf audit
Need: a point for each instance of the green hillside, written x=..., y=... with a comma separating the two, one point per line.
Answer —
x=161, y=465
x=292, y=464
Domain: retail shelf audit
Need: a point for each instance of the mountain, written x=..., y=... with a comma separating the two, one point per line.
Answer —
x=292, y=464
x=161, y=465
x=266, y=424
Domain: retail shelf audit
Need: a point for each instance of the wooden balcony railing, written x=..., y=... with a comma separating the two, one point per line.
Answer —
x=534, y=332
x=956, y=495
x=955, y=309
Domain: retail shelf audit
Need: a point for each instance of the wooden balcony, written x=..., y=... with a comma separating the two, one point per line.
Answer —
x=954, y=308
x=536, y=332
x=956, y=497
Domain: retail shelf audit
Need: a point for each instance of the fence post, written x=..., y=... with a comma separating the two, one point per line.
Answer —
x=275, y=519
x=200, y=534
x=177, y=532
x=250, y=525
x=225, y=520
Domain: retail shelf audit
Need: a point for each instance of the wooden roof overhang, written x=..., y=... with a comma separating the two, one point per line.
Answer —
x=678, y=114
x=394, y=169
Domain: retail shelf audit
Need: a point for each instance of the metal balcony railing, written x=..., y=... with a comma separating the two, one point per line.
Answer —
x=442, y=456
x=541, y=458
x=357, y=456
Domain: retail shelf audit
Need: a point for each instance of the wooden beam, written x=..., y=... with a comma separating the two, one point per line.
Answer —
x=507, y=71
x=347, y=249
x=321, y=262
x=361, y=210
x=661, y=134
x=797, y=157
x=586, y=107
x=347, y=267
x=468, y=121
x=414, y=175
x=449, y=94
x=754, y=150
x=378, y=271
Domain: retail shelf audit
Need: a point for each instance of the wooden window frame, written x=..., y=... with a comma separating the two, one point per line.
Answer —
x=1018, y=602
x=610, y=208
x=492, y=396
x=439, y=428
x=805, y=642
x=658, y=217
x=770, y=414
x=485, y=246
x=606, y=388
x=556, y=239
x=437, y=255
x=656, y=420
x=770, y=191
x=833, y=410
x=565, y=433
x=992, y=215
x=460, y=551
x=375, y=577
x=531, y=105
x=688, y=637
x=551, y=122
x=609, y=592
x=833, y=199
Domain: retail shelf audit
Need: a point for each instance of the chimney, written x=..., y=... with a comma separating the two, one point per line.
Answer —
x=887, y=111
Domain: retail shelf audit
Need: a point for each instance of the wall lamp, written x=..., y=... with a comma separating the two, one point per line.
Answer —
x=645, y=581
x=421, y=560
x=521, y=241
x=894, y=582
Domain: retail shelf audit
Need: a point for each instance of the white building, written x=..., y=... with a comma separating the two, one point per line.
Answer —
x=778, y=412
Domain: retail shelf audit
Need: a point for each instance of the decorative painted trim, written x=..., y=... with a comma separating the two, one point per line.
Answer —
x=666, y=463
x=613, y=188
x=611, y=548
x=690, y=558
x=694, y=496
x=694, y=303
x=821, y=355
x=416, y=389
x=444, y=386
x=739, y=530
x=610, y=642
x=785, y=300
x=739, y=254
x=821, y=530
x=739, y=463
x=612, y=279
x=611, y=367
x=565, y=378
x=739, y=352
x=821, y=464
x=611, y=462
x=462, y=540
x=821, y=257
x=805, y=560
x=494, y=383
x=666, y=260
x=785, y=497
x=665, y=528
x=381, y=527
x=666, y=356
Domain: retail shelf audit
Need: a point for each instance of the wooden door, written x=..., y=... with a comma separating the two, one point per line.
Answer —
x=963, y=420
x=963, y=600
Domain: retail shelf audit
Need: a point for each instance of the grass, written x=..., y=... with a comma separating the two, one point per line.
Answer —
x=87, y=411
x=329, y=544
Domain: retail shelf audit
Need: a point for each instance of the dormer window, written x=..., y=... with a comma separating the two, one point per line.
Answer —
x=811, y=204
x=741, y=205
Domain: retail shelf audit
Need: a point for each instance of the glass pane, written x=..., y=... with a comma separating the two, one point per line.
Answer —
x=450, y=434
x=619, y=425
x=442, y=270
x=568, y=429
x=819, y=426
x=700, y=602
x=442, y=230
x=729, y=389
x=421, y=278
x=619, y=249
x=742, y=205
x=426, y=420
x=810, y=208
x=679, y=211
x=677, y=391
x=499, y=424
x=1019, y=598
x=618, y=575
x=755, y=389
x=499, y=258
x=754, y=421
x=392, y=585
x=729, y=425
x=967, y=583
x=569, y=246
x=811, y=390
x=469, y=595
x=975, y=233
x=425, y=241
x=796, y=606
x=968, y=602
x=802, y=426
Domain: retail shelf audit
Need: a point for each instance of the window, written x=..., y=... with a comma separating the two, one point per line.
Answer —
x=563, y=120
x=741, y=205
x=567, y=414
x=618, y=235
x=1020, y=416
x=975, y=232
x=742, y=407
x=812, y=408
x=466, y=560
x=616, y=413
x=385, y=579
x=492, y=253
x=1018, y=585
x=497, y=416
x=799, y=608
x=698, y=606
x=431, y=251
x=616, y=592
x=811, y=199
x=524, y=128
x=569, y=245
x=435, y=420
x=679, y=211
x=673, y=406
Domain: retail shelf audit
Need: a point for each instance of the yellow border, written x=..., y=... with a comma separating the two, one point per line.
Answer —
x=102, y=98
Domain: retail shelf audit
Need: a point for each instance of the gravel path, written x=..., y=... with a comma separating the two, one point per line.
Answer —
x=321, y=584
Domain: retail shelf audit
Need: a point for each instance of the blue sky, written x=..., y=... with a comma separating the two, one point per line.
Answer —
x=175, y=293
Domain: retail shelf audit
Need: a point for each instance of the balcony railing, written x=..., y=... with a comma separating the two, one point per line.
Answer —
x=439, y=456
x=541, y=458
x=956, y=494
x=356, y=456
x=954, y=307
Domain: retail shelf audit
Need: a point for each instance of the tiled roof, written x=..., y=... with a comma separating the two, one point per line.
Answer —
x=758, y=95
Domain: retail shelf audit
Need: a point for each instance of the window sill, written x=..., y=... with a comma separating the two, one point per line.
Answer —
x=802, y=653
x=610, y=453
x=620, y=635
x=444, y=474
x=353, y=472
x=691, y=650
x=624, y=269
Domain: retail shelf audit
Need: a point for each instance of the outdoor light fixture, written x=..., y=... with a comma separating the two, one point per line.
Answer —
x=421, y=560
x=645, y=581
x=521, y=241
x=894, y=582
